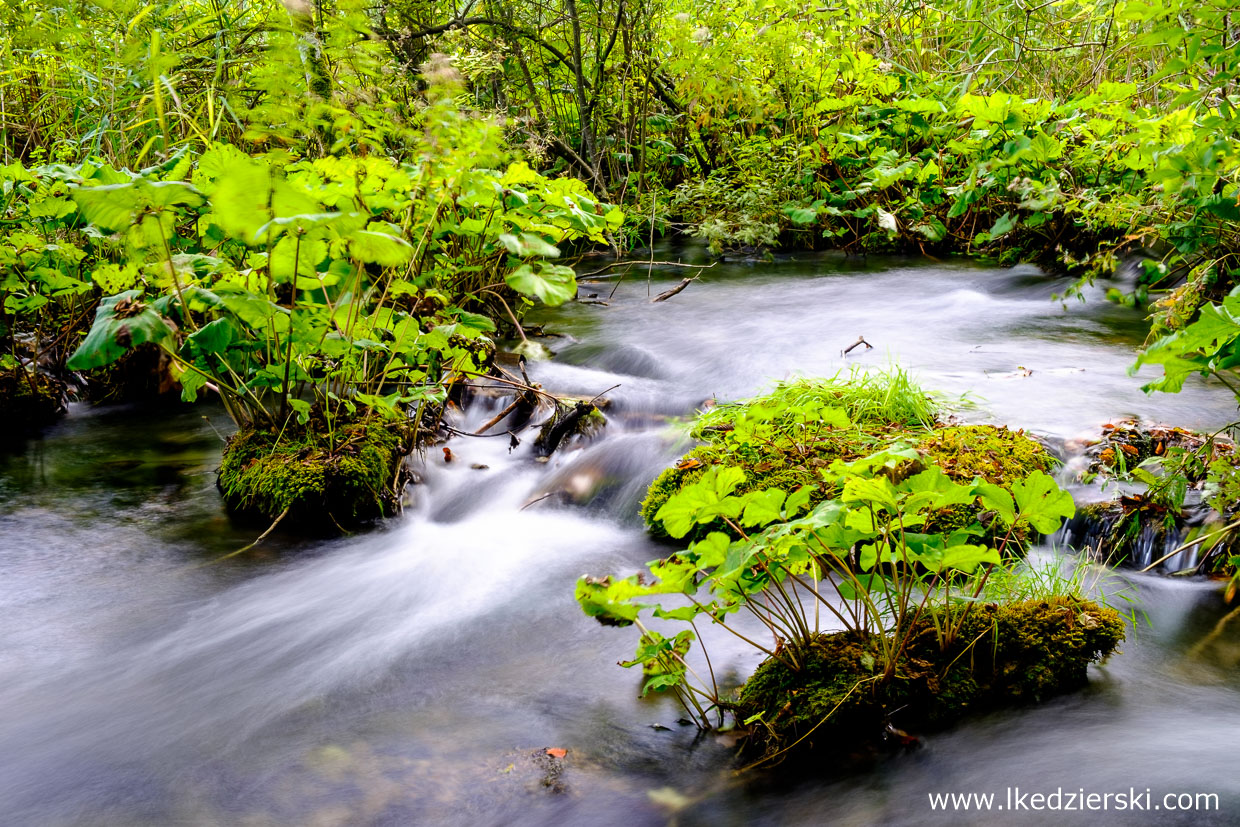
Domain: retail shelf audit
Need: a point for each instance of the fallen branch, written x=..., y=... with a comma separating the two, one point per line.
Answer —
x=525, y=397
x=560, y=425
x=261, y=537
x=607, y=267
x=860, y=341
x=667, y=294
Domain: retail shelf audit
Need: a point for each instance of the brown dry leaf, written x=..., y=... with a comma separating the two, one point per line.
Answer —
x=688, y=463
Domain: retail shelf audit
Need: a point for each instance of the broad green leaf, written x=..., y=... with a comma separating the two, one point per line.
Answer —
x=998, y=500
x=762, y=507
x=553, y=284
x=1042, y=502
x=122, y=322
x=527, y=245
x=379, y=248
x=1004, y=225
x=966, y=558
x=214, y=337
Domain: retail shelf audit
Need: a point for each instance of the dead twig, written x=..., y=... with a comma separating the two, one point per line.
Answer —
x=667, y=294
x=614, y=264
x=524, y=396
x=860, y=341
x=261, y=537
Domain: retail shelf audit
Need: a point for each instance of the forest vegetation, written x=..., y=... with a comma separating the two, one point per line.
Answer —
x=328, y=216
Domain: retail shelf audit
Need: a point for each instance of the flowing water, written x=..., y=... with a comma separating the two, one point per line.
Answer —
x=414, y=674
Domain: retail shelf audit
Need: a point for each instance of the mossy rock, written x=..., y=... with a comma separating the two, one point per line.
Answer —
x=996, y=454
x=842, y=706
x=325, y=484
x=1126, y=444
x=29, y=402
x=1141, y=527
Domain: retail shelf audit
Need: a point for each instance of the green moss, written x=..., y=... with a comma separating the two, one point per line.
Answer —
x=321, y=483
x=996, y=454
x=1003, y=655
x=29, y=402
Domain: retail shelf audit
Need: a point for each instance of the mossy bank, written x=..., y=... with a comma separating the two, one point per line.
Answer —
x=843, y=705
x=787, y=438
x=320, y=482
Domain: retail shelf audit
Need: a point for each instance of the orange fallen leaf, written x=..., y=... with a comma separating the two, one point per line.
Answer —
x=556, y=752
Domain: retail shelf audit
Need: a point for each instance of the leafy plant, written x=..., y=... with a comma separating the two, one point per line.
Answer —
x=865, y=558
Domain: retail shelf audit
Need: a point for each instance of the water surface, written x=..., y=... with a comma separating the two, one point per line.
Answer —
x=412, y=675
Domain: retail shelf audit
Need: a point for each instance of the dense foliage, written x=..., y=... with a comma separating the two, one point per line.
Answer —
x=870, y=548
x=289, y=281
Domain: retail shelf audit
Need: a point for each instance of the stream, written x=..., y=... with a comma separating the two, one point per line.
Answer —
x=415, y=673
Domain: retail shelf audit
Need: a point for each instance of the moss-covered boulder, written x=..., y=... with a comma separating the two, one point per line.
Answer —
x=843, y=702
x=29, y=402
x=996, y=454
x=1174, y=515
x=320, y=482
x=787, y=437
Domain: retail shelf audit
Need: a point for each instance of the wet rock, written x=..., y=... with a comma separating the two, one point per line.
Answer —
x=1171, y=517
x=320, y=482
x=1003, y=655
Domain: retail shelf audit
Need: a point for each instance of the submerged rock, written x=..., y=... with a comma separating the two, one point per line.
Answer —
x=320, y=482
x=843, y=704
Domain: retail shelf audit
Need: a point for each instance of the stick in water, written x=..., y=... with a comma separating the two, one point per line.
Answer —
x=860, y=341
x=667, y=294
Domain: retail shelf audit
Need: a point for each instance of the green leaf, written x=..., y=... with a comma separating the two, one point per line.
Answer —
x=1004, y=225
x=553, y=284
x=110, y=208
x=998, y=500
x=214, y=337
x=801, y=215
x=379, y=248
x=528, y=245
x=762, y=507
x=966, y=558
x=191, y=381
x=1042, y=502
x=121, y=322
x=702, y=501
